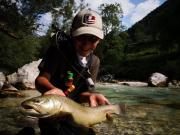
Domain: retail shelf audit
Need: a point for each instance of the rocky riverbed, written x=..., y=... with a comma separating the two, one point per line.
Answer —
x=11, y=118
x=149, y=111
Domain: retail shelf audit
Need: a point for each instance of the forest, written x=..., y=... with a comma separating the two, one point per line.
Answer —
x=150, y=45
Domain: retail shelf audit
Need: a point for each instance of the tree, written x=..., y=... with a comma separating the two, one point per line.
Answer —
x=82, y=5
x=18, y=22
x=111, y=52
x=62, y=15
x=17, y=52
x=111, y=15
x=26, y=13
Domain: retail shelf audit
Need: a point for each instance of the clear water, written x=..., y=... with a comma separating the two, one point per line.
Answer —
x=11, y=118
x=139, y=95
x=149, y=111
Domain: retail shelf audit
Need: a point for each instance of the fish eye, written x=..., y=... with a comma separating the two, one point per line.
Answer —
x=37, y=100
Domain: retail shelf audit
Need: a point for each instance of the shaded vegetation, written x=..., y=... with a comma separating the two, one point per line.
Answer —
x=19, y=42
x=151, y=45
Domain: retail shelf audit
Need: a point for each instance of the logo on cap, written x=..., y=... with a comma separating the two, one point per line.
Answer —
x=89, y=19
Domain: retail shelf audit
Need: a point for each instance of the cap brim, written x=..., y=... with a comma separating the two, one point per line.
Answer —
x=88, y=30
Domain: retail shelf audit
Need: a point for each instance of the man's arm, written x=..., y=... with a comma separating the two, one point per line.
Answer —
x=94, y=98
x=44, y=85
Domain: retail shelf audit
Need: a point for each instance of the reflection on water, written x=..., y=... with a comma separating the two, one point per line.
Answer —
x=149, y=111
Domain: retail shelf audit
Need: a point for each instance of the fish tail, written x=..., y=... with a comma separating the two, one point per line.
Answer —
x=120, y=109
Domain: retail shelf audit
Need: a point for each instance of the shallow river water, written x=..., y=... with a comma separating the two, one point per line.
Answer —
x=149, y=111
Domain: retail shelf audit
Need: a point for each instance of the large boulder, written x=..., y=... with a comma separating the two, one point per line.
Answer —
x=25, y=75
x=158, y=80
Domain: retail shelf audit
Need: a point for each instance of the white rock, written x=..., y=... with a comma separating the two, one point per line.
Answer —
x=25, y=75
x=2, y=79
x=158, y=79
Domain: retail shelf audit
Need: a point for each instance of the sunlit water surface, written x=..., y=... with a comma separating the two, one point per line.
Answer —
x=149, y=111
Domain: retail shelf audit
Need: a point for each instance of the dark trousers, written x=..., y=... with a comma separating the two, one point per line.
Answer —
x=62, y=127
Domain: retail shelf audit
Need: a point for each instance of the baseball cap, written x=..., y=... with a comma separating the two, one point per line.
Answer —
x=87, y=22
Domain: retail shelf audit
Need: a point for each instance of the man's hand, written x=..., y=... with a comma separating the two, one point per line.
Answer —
x=94, y=99
x=55, y=91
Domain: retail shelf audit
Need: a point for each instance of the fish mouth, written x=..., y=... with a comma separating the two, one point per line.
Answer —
x=31, y=110
x=27, y=107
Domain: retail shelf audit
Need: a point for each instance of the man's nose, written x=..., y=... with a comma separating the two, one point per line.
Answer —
x=89, y=45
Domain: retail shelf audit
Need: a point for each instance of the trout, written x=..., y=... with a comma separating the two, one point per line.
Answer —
x=49, y=106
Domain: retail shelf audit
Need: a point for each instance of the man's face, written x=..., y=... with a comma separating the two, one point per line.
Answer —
x=85, y=44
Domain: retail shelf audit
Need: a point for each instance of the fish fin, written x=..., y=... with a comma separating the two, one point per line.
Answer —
x=122, y=109
x=119, y=111
x=109, y=116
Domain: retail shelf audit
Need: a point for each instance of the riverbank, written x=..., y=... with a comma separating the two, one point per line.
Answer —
x=172, y=84
x=127, y=83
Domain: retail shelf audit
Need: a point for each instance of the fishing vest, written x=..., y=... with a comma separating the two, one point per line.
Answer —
x=61, y=58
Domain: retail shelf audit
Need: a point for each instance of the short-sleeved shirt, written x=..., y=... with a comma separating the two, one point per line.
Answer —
x=61, y=58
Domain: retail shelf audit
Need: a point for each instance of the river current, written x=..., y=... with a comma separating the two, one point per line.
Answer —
x=149, y=111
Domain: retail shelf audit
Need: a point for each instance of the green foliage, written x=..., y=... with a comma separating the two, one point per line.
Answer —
x=111, y=52
x=172, y=68
x=12, y=19
x=82, y=5
x=153, y=45
x=111, y=49
x=111, y=15
x=26, y=13
x=18, y=22
x=44, y=43
x=15, y=53
x=140, y=68
x=62, y=16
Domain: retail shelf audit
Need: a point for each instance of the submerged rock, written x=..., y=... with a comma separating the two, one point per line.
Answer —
x=9, y=91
